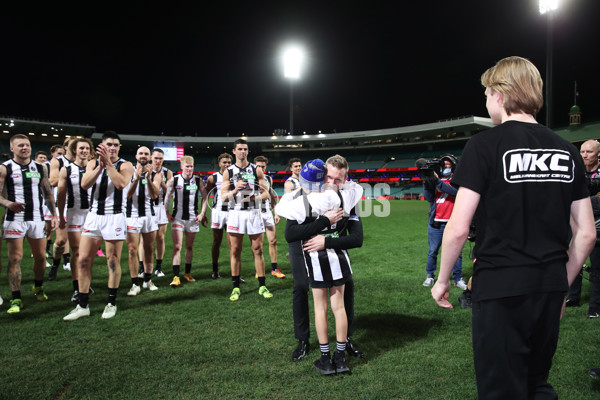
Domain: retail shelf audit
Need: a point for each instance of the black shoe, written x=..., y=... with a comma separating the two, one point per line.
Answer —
x=339, y=361
x=592, y=314
x=352, y=349
x=594, y=373
x=215, y=275
x=52, y=273
x=572, y=302
x=324, y=365
x=75, y=297
x=301, y=351
x=465, y=299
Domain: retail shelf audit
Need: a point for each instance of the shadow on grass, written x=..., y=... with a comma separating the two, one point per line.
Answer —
x=381, y=332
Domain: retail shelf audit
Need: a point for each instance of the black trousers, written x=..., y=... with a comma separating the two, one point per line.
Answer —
x=514, y=340
x=300, y=295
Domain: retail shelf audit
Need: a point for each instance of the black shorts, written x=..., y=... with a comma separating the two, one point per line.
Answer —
x=328, y=284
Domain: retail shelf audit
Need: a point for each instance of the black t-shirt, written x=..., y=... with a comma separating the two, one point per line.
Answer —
x=527, y=177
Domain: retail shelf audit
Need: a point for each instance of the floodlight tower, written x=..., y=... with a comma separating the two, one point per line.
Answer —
x=549, y=7
x=293, y=61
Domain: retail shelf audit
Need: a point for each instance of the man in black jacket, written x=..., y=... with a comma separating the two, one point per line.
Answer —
x=350, y=237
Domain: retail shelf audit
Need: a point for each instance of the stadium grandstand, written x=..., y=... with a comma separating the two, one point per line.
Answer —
x=376, y=156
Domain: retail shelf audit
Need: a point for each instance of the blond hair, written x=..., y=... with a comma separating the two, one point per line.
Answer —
x=337, y=161
x=18, y=136
x=186, y=160
x=520, y=83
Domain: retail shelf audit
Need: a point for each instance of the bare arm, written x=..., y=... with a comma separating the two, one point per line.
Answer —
x=155, y=184
x=204, y=194
x=61, y=197
x=226, y=193
x=273, y=201
x=168, y=198
x=120, y=179
x=54, y=171
x=202, y=216
x=92, y=172
x=134, y=183
x=210, y=184
x=584, y=236
x=49, y=198
x=455, y=235
x=262, y=184
x=4, y=202
x=288, y=186
x=167, y=178
x=272, y=198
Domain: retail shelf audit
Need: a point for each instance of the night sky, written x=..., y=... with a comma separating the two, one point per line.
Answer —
x=212, y=68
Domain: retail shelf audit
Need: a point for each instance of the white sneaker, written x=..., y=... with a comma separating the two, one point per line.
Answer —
x=77, y=313
x=159, y=273
x=67, y=266
x=428, y=282
x=109, y=311
x=134, y=291
x=150, y=286
x=461, y=284
x=1, y=301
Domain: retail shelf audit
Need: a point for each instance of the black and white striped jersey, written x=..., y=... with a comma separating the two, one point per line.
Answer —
x=249, y=175
x=77, y=197
x=218, y=199
x=295, y=181
x=106, y=199
x=140, y=204
x=186, y=194
x=23, y=185
x=160, y=200
x=266, y=203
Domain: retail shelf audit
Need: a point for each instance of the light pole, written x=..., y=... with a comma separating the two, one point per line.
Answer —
x=548, y=7
x=293, y=60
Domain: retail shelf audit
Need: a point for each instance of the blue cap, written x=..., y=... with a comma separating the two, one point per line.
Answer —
x=312, y=175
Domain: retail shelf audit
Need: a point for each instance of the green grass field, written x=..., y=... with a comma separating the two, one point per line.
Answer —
x=193, y=343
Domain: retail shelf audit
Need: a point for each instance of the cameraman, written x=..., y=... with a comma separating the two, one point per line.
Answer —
x=440, y=195
x=590, y=152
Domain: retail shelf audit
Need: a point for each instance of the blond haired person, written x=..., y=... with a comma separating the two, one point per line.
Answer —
x=528, y=187
x=185, y=188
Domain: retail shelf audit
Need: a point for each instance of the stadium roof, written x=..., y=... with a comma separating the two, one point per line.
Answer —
x=457, y=129
x=452, y=131
x=41, y=132
x=580, y=133
x=38, y=127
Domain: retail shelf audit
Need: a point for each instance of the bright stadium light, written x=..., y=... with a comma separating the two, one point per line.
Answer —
x=293, y=63
x=548, y=5
x=293, y=60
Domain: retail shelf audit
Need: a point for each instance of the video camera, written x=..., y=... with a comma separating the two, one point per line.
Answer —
x=428, y=167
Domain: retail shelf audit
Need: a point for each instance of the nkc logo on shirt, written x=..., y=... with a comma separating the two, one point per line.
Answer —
x=538, y=165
